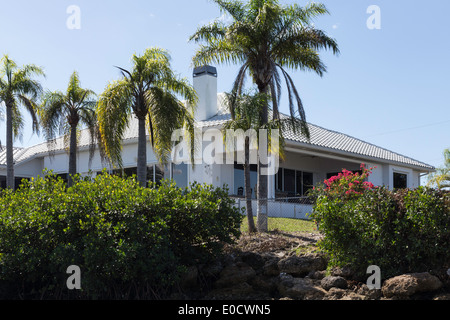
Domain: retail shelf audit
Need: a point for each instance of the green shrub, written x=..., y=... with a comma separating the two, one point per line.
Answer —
x=399, y=231
x=127, y=240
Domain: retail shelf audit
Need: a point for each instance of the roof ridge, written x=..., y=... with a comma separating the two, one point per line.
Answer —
x=418, y=163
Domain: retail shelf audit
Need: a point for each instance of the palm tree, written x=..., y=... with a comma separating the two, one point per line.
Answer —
x=265, y=38
x=441, y=178
x=65, y=114
x=18, y=88
x=244, y=110
x=148, y=91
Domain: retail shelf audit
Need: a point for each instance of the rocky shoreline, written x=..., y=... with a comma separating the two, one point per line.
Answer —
x=290, y=267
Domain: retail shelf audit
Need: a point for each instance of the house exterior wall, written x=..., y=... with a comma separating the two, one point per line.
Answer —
x=220, y=174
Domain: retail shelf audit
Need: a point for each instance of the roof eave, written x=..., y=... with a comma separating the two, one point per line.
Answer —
x=357, y=157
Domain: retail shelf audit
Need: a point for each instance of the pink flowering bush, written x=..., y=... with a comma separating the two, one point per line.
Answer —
x=346, y=184
x=401, y=231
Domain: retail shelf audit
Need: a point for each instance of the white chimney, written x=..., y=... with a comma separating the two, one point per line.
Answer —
x=205, y=84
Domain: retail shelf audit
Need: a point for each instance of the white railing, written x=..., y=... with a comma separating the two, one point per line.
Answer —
x=294, y=208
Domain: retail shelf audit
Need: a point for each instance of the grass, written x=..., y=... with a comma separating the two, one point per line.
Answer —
x=284, y=225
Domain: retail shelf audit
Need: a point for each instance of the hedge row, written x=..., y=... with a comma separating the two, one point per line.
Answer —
x=127, y=240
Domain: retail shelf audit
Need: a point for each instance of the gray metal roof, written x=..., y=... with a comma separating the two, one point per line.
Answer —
x=334, y=141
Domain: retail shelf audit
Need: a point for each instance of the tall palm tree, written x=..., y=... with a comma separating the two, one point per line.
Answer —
x=265, y=38
x=18, y=88
x=150, y=92
x=244, y=110
x=441, y=178
x=65, y=114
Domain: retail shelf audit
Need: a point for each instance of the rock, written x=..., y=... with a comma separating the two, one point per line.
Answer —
x=300, y=288
x=264, y=284
x=302, y=265
x=408, y=284
x=442, y=296
x=335, y=294
x=233, y=274
x=345, y=272
x=372, y=294
x=270, y=268
x=286, y=280
x=239, y=291
x=254, y=260
x=319, y=275
x=333, y=282
x=353, y=296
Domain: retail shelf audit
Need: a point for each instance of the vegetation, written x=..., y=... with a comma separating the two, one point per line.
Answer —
x=150, y=92
x=244, y=110
x=18, y=88
x=265, y=38
x=400, y=231
x=441, y=178
x=64, y=114
x=129, y=241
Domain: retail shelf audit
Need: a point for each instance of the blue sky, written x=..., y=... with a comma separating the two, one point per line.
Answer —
x=389, y=86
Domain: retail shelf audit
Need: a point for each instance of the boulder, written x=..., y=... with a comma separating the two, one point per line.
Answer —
x=270, y=268
x=353, y=296
x=235, y=273
x=335, y=294
x=333, y=282
x=300, y=288
x=254, y=260
x=302, y=265
x=406, y=285
x=371, y=294
x=442, y=296
x=345, y=272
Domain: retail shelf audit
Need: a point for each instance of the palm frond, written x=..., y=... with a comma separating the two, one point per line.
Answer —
x=233, y=8
x=113, y=111
x=32, y=108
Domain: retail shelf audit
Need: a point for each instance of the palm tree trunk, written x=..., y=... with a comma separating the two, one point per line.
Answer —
x=9, y=149
x=262, y=212
x=142, y=154
x=248, y=190
x=72, y=154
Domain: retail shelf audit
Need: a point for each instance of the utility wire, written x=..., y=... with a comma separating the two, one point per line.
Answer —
x=407, y=129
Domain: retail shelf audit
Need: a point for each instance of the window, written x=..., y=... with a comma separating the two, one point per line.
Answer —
x=279, y=180
x=308, y=182
x=400, y=180
x=154, y=173
x=299, y=182
x=239, y=180
x=293, y=183
x=289, y=181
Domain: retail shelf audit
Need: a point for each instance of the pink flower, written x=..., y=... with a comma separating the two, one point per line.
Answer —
x=347, y=173
x=368, y=185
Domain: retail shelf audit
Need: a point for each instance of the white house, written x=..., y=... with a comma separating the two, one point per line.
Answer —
x=306, y=162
